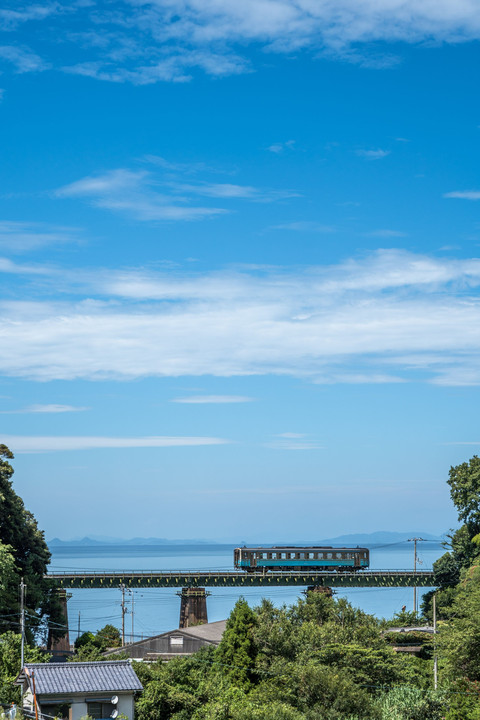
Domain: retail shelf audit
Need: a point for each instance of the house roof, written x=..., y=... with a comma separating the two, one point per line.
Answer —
x=209, y=632
x=61, y=678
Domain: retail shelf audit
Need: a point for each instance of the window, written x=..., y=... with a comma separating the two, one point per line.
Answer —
x=339, y=556
x=329, y=556
x=176, y=640
x=283, y=556
x=292, y=556
x=98, y=710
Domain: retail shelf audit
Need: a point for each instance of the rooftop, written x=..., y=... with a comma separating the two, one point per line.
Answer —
x=79, y=677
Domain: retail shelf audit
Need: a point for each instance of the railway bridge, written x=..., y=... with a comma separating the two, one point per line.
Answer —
x=192, y=584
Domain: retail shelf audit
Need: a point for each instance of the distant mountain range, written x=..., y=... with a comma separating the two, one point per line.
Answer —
x=380, y=537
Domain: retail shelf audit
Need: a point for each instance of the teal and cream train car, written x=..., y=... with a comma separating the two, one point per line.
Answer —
x=253, y=559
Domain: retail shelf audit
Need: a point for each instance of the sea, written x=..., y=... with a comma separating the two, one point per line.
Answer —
x=154, y=611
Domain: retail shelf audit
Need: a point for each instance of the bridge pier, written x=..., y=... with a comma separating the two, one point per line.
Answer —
x=193, y=606
x=60, y=647
x=323, y=589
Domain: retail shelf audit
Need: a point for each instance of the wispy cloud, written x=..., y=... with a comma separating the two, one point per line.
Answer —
x=463, y=194
x=151, y=196
x=144, y=43
x=212, y=399
x=11, y=19
x=23, y=59
x=385, y=317
x=279, y=148
x=52, y=408
x=52, y=443
x=134, y=193
x=19, y=237
x=378, y=154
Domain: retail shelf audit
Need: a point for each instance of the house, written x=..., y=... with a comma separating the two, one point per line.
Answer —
x=174, y=643
x=73, y=690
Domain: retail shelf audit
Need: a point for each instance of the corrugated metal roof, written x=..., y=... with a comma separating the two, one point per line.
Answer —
x=103, y=676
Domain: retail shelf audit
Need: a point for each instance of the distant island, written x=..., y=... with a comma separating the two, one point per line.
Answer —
x=380, y=537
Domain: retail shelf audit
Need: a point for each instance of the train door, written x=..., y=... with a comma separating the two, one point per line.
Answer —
x=356, y=563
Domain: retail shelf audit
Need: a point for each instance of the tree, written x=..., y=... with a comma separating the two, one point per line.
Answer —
x=236, y=652
x=464, y=481
x=31, y=556
x=10, y=644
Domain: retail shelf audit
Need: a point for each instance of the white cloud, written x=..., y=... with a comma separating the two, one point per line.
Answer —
x=373, y=154
x=52, y=408
x=386, y=317
x=23, y=59
x=21, y=237
x=34, y=444
x=212, y=399
x=146, y=42
x=464, y=194
x=149, y=196
x=11, y=19
x=280, y=147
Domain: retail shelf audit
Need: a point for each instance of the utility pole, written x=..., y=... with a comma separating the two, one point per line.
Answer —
x=133, y=605
x=435, y=658
x=415, y=540
x=22, y=629
x=78, y=632
x=124, y=610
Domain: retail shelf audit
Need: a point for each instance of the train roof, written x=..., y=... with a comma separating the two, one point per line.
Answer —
x=266, y=548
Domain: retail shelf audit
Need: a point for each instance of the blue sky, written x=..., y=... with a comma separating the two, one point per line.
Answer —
x=239, y=257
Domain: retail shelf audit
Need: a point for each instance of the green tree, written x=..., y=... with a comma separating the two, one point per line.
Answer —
x=236, y=652
x=10, y=650
x=464, y=481
x=19, y=530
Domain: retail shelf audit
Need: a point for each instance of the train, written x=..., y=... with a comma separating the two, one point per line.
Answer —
x=255, y=559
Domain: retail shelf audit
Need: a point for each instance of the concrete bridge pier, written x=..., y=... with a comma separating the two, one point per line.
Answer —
x=193, y=606
x=319, y=589
x=60, y=647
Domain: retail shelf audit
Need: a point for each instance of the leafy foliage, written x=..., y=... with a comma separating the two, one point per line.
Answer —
x=10, y=649
x=26, y=545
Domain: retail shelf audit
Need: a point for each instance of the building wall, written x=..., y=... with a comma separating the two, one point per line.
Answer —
x=125, y=705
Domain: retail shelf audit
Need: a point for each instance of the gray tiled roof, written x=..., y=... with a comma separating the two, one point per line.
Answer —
x=79, y=677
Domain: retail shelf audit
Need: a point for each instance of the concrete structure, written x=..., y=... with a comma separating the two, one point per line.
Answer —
x=193, y=607
x=174, y=643
x=73, y=690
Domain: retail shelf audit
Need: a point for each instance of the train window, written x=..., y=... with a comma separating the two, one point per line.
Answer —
x=319, y=556
x=283, y=556
x=311, y=556
x=301, y=556
x=292, y=556
x=339, y=556
x=329, y=556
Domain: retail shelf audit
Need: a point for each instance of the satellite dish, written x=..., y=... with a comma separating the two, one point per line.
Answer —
x=114, y=713
x=114, y=700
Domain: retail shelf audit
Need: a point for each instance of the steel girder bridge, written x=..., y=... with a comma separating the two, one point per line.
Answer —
x=363, y=578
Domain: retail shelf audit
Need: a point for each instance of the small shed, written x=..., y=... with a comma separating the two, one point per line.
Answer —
x=174, y=643
x=101, y=690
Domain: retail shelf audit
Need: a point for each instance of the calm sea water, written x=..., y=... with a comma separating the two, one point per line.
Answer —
x=157, y=610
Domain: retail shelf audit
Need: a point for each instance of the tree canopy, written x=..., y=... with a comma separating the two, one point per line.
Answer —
x=23, y=553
